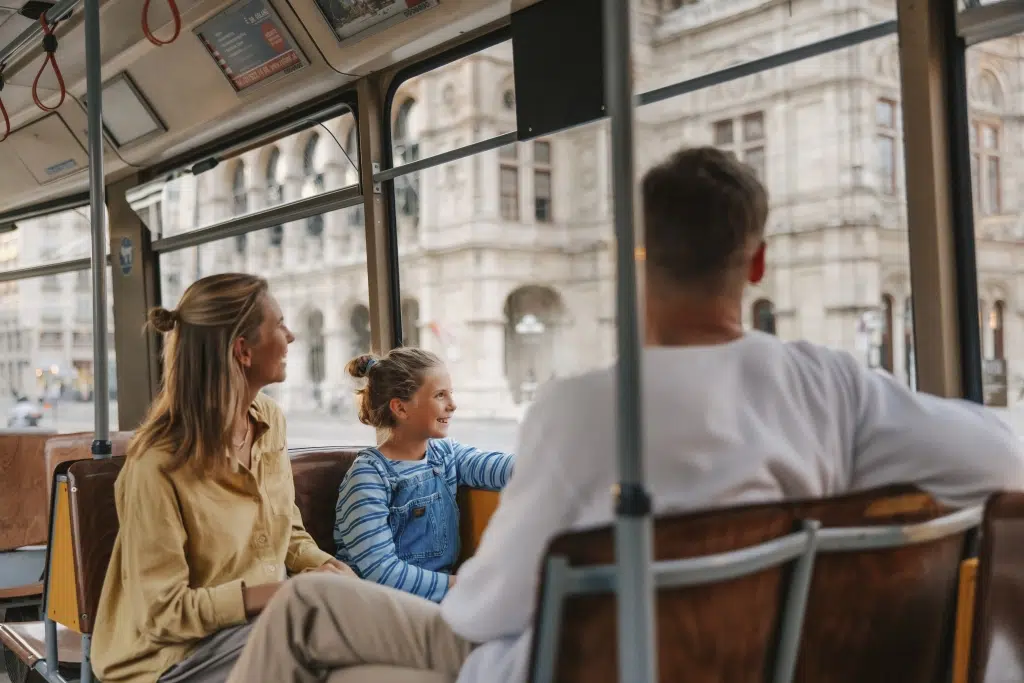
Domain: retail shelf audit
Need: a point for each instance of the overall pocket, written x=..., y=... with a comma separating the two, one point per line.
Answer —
x=420, y=531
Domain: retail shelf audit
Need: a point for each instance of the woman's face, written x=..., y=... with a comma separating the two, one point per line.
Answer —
x=265, y=359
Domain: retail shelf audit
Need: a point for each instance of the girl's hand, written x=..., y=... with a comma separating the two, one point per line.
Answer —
x=335, y=566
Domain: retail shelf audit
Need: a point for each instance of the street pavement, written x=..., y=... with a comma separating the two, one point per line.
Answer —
x=311, y=428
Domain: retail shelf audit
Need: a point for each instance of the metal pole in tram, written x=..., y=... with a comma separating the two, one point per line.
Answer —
x=101, y=447
x=633, y=528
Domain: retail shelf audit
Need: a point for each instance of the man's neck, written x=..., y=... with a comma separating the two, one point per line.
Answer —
x=687, y=319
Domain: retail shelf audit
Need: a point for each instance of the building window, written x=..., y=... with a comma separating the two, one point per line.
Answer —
x=542, y=181
x=509, y=156
x=275, y=191
x=309, y=156
x=996, y=323
x=985, y=168
x=744, y=137
x=885, y=144
x=764, y=316
x=407, y=150
x=887, y=343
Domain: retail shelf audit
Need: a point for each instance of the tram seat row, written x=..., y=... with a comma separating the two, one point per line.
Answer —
x=83, y=526
x=28, y=459
x=870, y=614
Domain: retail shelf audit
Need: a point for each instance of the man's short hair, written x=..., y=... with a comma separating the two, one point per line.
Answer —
x=703, y=210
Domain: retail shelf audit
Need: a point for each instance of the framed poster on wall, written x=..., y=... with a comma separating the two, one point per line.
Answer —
x=358, y=19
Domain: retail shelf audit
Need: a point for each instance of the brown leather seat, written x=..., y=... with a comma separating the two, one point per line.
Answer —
x=25, y=489
x=94, y=527
x=318, y=473
x=997, y=651
x=882, y=615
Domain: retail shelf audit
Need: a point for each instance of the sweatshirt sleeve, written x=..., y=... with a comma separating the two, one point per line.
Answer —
x=957, y=450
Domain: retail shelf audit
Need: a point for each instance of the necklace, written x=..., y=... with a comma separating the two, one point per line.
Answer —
x=248, y=426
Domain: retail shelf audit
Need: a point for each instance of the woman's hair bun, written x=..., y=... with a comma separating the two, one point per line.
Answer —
x=359, y=366
x=162, y=320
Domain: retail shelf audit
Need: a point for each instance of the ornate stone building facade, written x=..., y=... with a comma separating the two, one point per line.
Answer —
x=506, y=261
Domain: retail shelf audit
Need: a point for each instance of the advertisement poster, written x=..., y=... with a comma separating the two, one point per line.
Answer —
x=249, y=44
x=350, y=18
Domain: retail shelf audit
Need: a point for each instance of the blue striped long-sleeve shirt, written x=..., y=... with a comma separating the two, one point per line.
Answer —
x=362, y=533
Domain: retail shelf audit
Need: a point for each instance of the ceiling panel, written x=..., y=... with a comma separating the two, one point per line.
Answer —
x=11, y=23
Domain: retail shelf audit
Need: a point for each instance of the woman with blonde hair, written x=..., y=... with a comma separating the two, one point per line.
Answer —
x=209, y=529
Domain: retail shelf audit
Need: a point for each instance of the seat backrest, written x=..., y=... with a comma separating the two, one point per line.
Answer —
x=878, y=615
x=318, y=473
x=94, y=527
x=25, y=488
x=997, y=649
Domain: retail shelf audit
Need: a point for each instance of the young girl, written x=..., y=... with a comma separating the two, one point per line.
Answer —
x=397, y=522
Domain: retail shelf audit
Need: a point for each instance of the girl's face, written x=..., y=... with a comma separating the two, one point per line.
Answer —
x=426, y=414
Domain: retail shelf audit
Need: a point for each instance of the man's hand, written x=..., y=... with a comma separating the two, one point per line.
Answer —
x=335, y=566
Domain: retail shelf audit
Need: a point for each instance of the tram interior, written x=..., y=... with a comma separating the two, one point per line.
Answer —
x=438, y=173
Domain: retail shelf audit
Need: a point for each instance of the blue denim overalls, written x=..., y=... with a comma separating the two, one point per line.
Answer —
x=424, y=517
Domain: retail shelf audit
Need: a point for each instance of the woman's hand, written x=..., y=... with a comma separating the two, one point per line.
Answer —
x=255, y=598
x=335, y=566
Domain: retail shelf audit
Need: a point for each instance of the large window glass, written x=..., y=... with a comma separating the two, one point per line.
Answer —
x=320, y=159
x=506, y=255
x=47, y=369
x=316, y=267
x=995, y=130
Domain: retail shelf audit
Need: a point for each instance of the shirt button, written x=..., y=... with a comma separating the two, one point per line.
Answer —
x=262, y=539
x=271, y=568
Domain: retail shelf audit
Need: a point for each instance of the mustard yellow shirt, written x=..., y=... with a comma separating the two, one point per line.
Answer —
x=186, y=547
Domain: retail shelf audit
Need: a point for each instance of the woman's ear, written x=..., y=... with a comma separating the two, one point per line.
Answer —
x=240, y=349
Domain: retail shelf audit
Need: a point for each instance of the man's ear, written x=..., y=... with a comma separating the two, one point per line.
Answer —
x=757, y=266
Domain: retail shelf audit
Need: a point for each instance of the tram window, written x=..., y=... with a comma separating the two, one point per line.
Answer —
x=540, y=306
x=999, y=238
x=831, y=156
x=320, y=159
x=323, y=292
x=49, y=351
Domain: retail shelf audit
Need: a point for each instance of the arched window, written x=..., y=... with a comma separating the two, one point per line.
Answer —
x=532, y=316
x=239, y=196
x=887, y=346
x=764, y=316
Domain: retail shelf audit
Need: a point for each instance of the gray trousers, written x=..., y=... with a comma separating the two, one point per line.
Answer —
x=212, y=659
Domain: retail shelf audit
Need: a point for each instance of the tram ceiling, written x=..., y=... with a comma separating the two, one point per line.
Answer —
x=191, y=103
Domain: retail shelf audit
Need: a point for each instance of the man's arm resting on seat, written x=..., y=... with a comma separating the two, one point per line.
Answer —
x=957, y=450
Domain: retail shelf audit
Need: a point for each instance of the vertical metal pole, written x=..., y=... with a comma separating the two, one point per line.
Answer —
x=101, y=447
x=633, y=530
